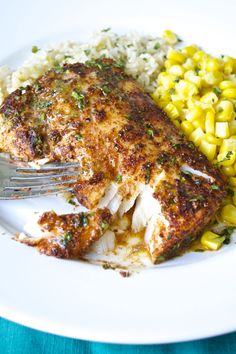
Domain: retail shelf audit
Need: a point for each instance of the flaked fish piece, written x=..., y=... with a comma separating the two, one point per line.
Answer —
x=69, y=235
x=130, y=154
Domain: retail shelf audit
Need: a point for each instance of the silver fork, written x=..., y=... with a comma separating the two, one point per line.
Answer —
x=19, y=181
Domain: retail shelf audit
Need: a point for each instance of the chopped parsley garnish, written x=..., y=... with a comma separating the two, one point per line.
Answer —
x=227, y=156
x=43, y=104
x=227, y=232
x=34, y=49
x=72, y=202
x=37, y=87
x=78, y=136
x=119, y=178
x=87, y=51
x=98, y=63
x=157, y=45
x=217, y=91
x=147, y=175
x=230, y=192
x=83, y=220
x=106, y=29
x=197, y=198
x=162, y=159
x=68, y=57
x=171, y=201
x=160, y=259
x=58, y=68
x=176, y=145
x=105, y=89
x=150, y=133
x=79, y=97
x=104, y=225
x=214, y=187
x=42, y=117
x=67, y=237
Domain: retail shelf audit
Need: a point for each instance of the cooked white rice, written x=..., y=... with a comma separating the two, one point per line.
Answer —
x=142, y=57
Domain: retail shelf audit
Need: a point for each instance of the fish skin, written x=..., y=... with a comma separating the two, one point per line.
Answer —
x=101, y=117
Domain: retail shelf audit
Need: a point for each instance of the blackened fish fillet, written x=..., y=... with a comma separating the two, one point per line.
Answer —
x=130, y=153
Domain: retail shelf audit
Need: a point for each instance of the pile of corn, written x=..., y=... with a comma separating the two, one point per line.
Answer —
x=198, y=93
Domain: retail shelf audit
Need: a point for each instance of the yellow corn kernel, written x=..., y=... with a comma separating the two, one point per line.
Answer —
x=226, y=158
x=191, y=76
x=209, y=150
x=229, y=171
x=224, y=109
x=189, y=50
x=199, y=55
x=213, y=140
x=176, y=56
x=212, y=64
x=226, y=84
x=212, y=241
x=228, y=145
x=168, y=64
x=199, y=123
x=209, y=97
x=171, y=111
x=186, y=89
x=189, y=64
x=170, y=37
x=211, y=78
x=232, y=127
x=222, y=129
x=196, y=136
x=166, y=80
x=210, y=122
x=229, y=93
x=232, y=181
x=178, y=104
x=187, y=127
x=193, y=102
x=177, y=70
x=194, y=113
x=228, y=214
x=228, y=65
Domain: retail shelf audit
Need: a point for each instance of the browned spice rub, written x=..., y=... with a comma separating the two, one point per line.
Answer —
x=99, y=116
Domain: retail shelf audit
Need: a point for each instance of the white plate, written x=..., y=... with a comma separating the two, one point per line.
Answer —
x=191, y=297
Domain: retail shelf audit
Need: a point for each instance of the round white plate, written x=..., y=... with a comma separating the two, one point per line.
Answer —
x=191, y=297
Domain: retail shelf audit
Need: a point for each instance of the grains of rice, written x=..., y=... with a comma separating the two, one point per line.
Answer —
x=142, y=57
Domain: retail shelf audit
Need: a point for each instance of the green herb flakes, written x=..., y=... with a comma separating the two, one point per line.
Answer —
x=106, y=29
x=217, y=91
x=78, y=136
x=79, y=97
x=119, y=178
x=104, y=225
x=197, y=198
x=34, y=49
x=214, y=187
x=58, y=68
x=66, y=238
